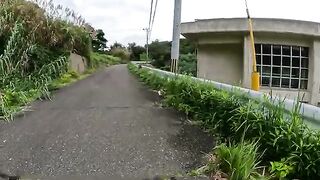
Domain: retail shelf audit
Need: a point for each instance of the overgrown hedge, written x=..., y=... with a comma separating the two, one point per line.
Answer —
x=98, y=59
x=283, y=138
x=36, y=38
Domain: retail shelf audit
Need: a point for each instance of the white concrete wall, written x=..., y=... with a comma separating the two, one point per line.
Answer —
x=222, y=63
x=223, y=25
x=78, y=63
x=314, y=73
x=283, y=39
x=219, y=60
x=304, y=96
x=232, y=63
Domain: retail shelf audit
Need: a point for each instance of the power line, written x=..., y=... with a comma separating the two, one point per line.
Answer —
x=151, y=11
x=154, y=14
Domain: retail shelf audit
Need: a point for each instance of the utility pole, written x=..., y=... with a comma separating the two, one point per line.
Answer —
x=175, y=48
x=255, y=76
x=147, y=48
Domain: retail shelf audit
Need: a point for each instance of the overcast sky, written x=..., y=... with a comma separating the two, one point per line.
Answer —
x=123, y=20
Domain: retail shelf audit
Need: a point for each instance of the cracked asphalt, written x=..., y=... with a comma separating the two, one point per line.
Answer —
x=108, y=124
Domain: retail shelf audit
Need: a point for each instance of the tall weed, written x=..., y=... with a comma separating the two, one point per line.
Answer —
x=280, y=134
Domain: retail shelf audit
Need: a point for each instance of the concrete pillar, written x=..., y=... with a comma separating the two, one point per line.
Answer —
x=247, y=63
x=314, y=74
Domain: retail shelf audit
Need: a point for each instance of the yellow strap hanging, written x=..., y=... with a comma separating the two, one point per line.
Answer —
x=255, y=76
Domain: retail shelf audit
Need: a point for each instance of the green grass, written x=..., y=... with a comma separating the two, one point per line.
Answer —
x=33, y=54
x=14, y=98
x=234, y=162
x=98, y=60
x=239, y=161
x=282, y=136
x=64, y=80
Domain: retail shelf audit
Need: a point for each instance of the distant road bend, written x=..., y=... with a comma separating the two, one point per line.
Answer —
x=105, y=125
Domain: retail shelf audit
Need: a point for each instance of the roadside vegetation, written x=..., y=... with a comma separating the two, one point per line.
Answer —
x=258, y=140
x=160, y=55
x=36, y=39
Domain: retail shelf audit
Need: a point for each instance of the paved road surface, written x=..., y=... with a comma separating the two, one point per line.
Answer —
x=107, y=124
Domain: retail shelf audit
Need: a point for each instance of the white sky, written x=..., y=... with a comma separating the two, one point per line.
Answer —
x=123, y=20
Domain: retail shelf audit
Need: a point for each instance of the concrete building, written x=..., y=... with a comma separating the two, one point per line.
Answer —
x=288, y=54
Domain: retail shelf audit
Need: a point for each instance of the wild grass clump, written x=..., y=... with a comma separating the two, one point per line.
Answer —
x=282, y=136
x=48, y=25
x=238, y=161
x=36, y=38
x=98, y=60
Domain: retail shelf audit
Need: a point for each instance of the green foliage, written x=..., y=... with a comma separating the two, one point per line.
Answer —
x=116, y=45
x=99, y=42
x=65, y=79
x=36, y=37
x=188, y=64
x=121, y=53
x=282, y=169
x=98, y=60
x=143, y=57
x=46, y=24
x=235, y=162
x=239, y=162
x=227, y=115
x=160, y=51
x=136, y=51
x=187, y=47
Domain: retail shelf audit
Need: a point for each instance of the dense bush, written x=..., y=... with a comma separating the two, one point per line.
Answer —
x=238, y=161
x=136, y=52
x=282, y=136
x=188, y=64
x=160, y=54
x=121, y=53
x=36, y=37
x=50, y=26
x=98, y=59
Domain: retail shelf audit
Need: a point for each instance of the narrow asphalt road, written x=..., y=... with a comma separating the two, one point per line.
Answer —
x=106, y=125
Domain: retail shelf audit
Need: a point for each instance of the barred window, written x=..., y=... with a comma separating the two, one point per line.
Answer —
x=283, y=66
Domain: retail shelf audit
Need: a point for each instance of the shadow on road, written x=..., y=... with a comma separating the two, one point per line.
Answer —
x=194, y=143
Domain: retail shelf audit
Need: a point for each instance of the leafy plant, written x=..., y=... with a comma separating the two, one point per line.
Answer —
x=240, y=162
x=188, y=64
x=121, y=53
x=280, y=134
x=98, y=59
x=281, y=169
x=36, y=37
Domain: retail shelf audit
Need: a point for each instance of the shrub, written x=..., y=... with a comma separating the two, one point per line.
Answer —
x=35, y=39
x=281, y=169
x=281, y=134
x=188, y=64
x=46, y=24
x=239, y=161
x=121, y=53
x=98, y=59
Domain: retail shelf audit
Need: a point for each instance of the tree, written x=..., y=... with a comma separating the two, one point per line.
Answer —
x=160, y=52
x=118, y=50
x=186, y=46
x=188, y=64
x=116, y=45
x=135, y=51
x=100, y=42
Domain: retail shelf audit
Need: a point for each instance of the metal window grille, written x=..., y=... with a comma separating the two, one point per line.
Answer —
x=283, y=66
